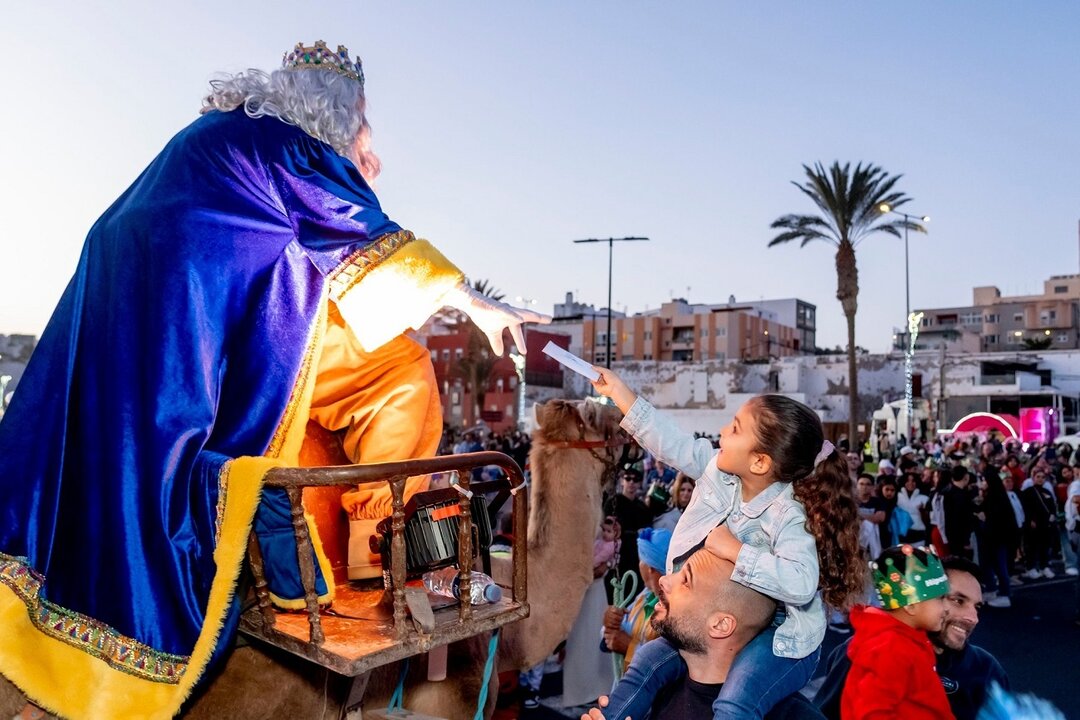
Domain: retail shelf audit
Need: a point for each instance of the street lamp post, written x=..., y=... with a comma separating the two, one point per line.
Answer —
x=519, y=363
x=910, y=321
x=610, y=242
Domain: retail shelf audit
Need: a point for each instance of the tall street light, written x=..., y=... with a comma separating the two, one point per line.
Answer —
x=912, y=323
x=610, y=243
x=519, y=362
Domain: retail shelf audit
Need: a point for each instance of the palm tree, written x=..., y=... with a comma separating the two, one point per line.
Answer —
x=477, y=362
x=850, y=211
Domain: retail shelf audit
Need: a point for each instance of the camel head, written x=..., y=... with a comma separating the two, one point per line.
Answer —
x=569, y=447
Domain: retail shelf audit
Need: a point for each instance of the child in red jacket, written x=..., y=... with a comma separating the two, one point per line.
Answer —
x=892, y=661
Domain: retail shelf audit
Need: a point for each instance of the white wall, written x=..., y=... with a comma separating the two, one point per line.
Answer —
x=704, y=396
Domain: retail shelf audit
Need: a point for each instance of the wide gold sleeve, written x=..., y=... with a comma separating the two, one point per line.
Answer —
x=393, y=284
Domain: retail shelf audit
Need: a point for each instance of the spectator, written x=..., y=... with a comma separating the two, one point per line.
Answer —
x=966, y=671
x=469, y=443
x=855, y=465
x=912, y=501
x=708, y=620
x=1068, y=552
x=937, y=513
x=933, y=448
x=959, y=513
x=892, y=660
x=625, y=629
x=884, y=447
x=587, y=671
x=1072, y=526
x=1040, y=511
x=658, y=500
x=1018, y=513
x=886, y=502
x=870, y=513
x=1012, y=464
x=519, y=448
x=681, y=492
x=632, y=515
x=999, y=536
x=906, y=460
x=660, y=474
x=867, y=454
x=606, y=547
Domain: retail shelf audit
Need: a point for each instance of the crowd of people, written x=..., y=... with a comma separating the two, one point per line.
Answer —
x=1010, y=507
x=945, y=527
x=745, y=549
x=514, y=443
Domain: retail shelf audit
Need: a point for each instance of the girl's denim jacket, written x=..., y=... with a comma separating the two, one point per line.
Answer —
x=779, y=556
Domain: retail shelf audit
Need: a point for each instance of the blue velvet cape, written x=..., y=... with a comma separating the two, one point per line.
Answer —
x=175, y=347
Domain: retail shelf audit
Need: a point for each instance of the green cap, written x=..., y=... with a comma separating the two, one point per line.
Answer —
x=905, y=575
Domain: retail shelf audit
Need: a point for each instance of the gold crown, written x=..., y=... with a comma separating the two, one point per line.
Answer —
x=320, y=57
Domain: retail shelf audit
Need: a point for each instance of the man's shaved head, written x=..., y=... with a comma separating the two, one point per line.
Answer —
x=701, y=601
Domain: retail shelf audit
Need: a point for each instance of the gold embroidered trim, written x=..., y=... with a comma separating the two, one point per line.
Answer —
x=223, y=492
x=355, y=267
x=86, y=634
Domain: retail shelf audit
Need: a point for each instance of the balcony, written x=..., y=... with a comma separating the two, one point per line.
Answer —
x=682, y=339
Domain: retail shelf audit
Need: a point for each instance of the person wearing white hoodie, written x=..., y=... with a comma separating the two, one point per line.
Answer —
x=912, y=501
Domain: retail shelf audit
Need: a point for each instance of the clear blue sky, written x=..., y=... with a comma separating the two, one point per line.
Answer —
x=507, y=130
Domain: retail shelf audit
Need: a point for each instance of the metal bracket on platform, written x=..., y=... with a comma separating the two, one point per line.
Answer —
x=420, y=609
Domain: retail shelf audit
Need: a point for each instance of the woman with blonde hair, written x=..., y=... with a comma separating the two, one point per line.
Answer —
x=681, y=492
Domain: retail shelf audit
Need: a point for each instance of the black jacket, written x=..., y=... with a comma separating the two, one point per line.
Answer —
x=959, y=515
x=1039, y=505
x=1000, y=529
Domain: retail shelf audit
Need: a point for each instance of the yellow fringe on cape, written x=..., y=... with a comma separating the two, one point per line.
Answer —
x=68, y=682
x=73, y=684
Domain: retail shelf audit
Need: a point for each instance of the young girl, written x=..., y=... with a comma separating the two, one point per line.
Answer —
x=776, y=500
x=606, y=546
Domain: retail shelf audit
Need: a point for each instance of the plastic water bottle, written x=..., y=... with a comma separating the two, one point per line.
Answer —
x=444, y=581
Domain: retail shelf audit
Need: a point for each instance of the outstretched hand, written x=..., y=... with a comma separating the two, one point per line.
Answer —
x=493, y=316
x=609, y=384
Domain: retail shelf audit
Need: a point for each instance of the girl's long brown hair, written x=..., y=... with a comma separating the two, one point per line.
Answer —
x=790, y=433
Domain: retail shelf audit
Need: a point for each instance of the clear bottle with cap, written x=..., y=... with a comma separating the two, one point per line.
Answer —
x=444, y=581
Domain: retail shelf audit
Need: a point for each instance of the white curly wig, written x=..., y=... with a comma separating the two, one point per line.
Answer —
x=327, y=106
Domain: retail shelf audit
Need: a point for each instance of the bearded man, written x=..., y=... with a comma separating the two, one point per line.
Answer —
x=708, y=618
x=967, y=671
x=248, y=281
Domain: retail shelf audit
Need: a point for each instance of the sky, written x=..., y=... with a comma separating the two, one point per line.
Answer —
x=508, y=130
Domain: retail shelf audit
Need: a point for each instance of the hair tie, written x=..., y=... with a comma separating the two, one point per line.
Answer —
x=826, y=450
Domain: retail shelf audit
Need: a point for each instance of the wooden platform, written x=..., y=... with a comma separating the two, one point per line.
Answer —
x=365, y=639
x=357, y=633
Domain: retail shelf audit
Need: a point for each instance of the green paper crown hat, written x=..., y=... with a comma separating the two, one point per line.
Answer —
x=905, y=575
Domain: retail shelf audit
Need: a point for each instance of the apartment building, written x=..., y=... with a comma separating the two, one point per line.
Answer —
x=683, y=332
x=1050, y=320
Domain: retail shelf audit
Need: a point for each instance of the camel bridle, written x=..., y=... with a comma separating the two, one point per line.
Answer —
x=612, y=459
